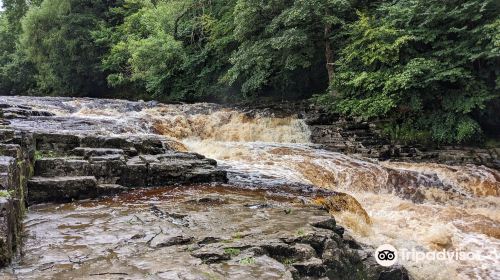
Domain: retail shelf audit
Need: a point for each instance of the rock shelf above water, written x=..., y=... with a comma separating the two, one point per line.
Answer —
x=194, y=232
x=39, y=164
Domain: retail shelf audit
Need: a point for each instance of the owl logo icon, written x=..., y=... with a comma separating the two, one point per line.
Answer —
x=386, y=255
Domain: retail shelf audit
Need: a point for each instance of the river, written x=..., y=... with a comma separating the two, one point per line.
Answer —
x=425, y=207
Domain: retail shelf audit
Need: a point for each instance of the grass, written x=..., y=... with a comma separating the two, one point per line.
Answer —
x=6, y=193
x=288, y=262
x=232, y=251
x=190, y=248
x=45, y=154
x=237, y=236
x=300, y=232
x=210, y=276
x=247, y=261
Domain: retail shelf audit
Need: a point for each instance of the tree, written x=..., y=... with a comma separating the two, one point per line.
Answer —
x=427, y=65
x=16, y=72
x=58, y=39
x=173, y=50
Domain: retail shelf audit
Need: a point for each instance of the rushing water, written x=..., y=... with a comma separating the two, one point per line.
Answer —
x=422, y=206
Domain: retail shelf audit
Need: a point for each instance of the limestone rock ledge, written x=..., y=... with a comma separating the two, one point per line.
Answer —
x=16, y=166
x=71, y=167
x=38, y=166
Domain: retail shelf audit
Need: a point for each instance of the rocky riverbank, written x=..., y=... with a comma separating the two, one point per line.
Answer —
x=196, y=232
x=39, y=165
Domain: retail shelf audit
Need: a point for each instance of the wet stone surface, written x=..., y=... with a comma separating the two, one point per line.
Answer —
x=197, y=232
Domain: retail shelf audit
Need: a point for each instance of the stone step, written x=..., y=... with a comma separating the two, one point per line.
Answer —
x=61, y=189
x=103, y=168
x=132, y=145
x=110, y=189
x=66, y=189
x=138, y=171
x=87, y=152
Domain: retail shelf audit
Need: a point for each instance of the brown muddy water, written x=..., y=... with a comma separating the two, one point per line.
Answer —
x=415, y=206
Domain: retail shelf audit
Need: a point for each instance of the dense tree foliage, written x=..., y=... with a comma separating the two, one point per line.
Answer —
x=429, y=68
x=429, y=65
x=58, y=38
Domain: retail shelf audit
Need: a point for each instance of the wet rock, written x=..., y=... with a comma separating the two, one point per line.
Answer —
x=138, y=236
x=350, y=242
x=258, y=205
x=163, y=240
x=157, y=211
x=92, y=152
x=176, y=215
x=8, y=230
x=109, y=189
x=209, y=240
x=106, y=158
x=157, y=170
x=61, y=189
x=52, y=167
x=105, y=171
x=6, y=135
x=211, y=254
x=316, y=240
x=303, y=251
x=55, y=142
x=16, y=159
x=311, y=267
x=134, y=174
x=211, y=200
x=106, y=142
x=339, y=230
x=201, y=175
x=278, y=250
x=18, y=112
x=11, y=150
x=326, y=224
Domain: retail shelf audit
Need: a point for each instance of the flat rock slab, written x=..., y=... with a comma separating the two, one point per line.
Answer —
x=110, y=189
x=88, y=152
x=222, y=240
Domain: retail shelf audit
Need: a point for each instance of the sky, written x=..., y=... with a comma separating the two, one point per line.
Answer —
x=1, y=5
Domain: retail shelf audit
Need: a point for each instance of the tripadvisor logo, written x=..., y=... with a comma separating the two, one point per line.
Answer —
x=386, y=255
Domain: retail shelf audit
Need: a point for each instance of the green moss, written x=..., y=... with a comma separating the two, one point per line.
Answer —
x=237, y=236
x=6, y=193
x=45, y=154
x=247, y=261
x=210, y=276
x=288, y=261
x=232, y=251
x=301, y=232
